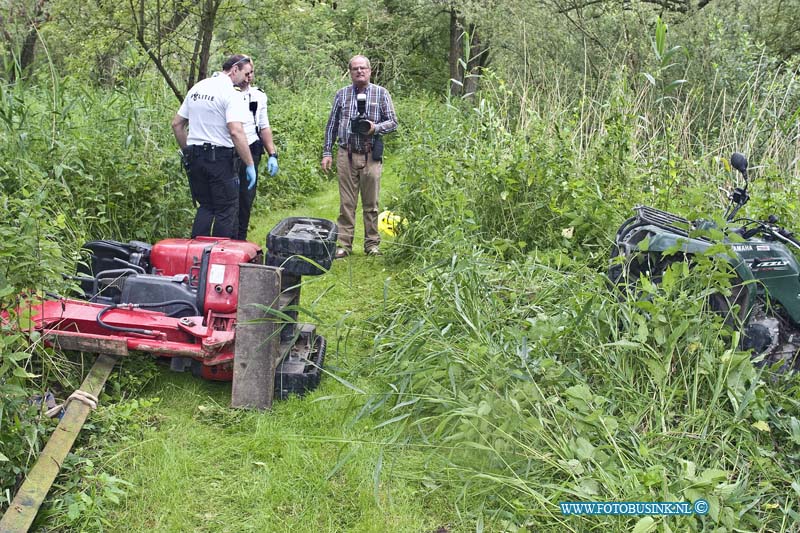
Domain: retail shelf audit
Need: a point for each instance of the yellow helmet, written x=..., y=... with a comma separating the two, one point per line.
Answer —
x=390, y=224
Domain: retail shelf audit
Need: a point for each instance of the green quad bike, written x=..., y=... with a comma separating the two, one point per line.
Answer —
x=765, y=296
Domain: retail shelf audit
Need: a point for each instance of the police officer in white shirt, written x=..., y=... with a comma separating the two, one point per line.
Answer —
x=214, y=112
x=259, y=137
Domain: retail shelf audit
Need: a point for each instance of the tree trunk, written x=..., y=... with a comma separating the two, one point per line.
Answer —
x=206, y=29
x=153, y=42
x=478, y=60
x=28, y=51
x=456, y=49
x=465, y=60
x=198, y=68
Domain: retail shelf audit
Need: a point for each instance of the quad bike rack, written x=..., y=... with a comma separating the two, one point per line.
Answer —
x=651, y=216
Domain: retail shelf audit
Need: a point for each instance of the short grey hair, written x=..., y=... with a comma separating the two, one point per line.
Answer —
x=365, y=58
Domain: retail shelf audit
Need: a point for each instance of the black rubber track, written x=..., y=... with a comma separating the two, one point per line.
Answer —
x=286, y=384
x=314, y=238
x=294, y=264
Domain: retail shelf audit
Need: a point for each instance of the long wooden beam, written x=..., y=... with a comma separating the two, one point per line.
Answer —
x=20, y=515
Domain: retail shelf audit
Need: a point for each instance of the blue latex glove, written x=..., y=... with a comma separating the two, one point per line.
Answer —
x=251, y=176
x=272, y=165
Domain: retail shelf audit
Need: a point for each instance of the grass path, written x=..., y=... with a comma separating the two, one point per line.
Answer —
x=204, y=467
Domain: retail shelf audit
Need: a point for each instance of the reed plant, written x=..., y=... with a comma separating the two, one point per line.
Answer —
x=510, y=357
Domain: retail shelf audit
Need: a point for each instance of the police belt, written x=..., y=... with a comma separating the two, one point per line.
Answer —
x=210, y=150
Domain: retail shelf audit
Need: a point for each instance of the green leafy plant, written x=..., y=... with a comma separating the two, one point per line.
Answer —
x=83, y=497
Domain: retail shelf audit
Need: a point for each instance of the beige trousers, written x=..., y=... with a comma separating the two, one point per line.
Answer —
x=358, y=173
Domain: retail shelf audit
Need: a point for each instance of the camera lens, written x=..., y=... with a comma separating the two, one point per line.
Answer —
x=360, y=125
x=363, y=127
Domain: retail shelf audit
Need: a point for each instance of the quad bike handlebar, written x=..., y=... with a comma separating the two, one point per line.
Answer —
x=739, y=197
x=768, y=229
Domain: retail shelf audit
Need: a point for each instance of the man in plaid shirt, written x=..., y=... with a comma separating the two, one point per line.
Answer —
x=359, y=156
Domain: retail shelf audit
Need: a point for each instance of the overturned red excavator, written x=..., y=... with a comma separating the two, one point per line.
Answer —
x=179, y=299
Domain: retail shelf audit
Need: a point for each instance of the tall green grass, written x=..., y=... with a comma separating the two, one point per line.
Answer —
x=520, y=167
x=536, y=385
x=511, y=358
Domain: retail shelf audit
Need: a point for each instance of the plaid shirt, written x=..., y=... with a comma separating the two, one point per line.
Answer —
x=380, y=111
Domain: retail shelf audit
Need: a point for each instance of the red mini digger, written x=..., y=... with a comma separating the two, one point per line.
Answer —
x=178, y=298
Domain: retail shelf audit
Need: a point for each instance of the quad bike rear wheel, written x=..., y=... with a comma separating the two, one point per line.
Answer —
x=626, y=274
x=654, y=264
x=734, y=308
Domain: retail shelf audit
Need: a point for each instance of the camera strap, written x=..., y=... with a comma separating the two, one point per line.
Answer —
x=352, y=140
x=367, y=150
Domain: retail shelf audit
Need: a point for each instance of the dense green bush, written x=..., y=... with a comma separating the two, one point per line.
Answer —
x=77, y=164
x=512, y=361
x=298, y=123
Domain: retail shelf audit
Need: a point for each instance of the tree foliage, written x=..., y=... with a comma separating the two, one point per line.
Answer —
x=436, y=45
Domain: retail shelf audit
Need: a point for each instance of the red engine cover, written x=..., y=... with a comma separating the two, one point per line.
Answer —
x=184, y=256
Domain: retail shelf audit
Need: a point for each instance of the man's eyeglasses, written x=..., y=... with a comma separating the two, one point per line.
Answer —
x=354, y=69
x=244, y=59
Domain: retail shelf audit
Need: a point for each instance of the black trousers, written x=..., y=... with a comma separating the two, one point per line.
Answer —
x=247, y=197
x=215, y=188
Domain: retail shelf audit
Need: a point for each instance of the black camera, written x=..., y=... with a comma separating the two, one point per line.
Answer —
x=360, y=123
